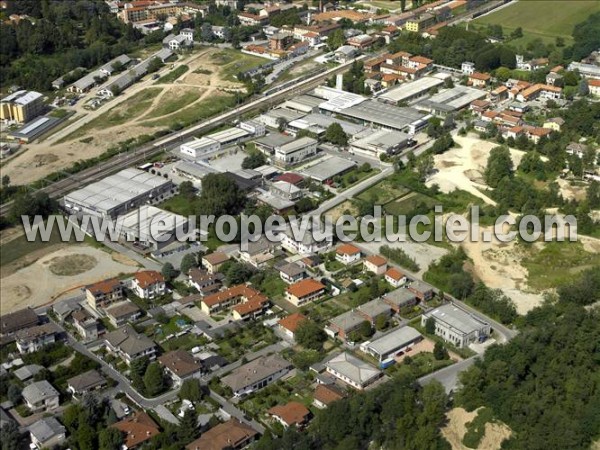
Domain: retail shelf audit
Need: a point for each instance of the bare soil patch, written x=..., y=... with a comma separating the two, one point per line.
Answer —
x=455, y=429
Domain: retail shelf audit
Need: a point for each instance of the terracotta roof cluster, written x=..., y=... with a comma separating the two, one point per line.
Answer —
x=148, y=278
x=347, y=249
x=23, y=318
x=216, y=258
x=305, y=287
x=292, y=413
x=241, y=290
x=480, y=76
x=292, y=321
x=532, y=90
x=139, y=428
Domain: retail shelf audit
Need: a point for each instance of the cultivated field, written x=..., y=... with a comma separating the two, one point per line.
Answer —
x=542, y=19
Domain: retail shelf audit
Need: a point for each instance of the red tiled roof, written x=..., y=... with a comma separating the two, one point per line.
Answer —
x=394, y=273
x=289, y=177
x=147, y=278
x=480, y=76
x=293, y=413
x=377, y=260
x=305, y=287
x=347, y=249
x=328, y=394
x=104, y=286
x=180, y=362
x=216, y=258
x=241, y=290
x=139, y=428
x=231, y=434
x=292, y=321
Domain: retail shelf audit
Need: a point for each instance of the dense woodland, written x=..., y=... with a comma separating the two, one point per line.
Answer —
x=66, y=35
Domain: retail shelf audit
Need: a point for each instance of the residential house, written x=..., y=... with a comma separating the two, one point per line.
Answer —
x=18, y=320
x=353, y=371
x=40, y=396
x=26, y=373
x=245, y=300
x=291, y=273
x=457, y=326
x=258, y=253
x=347, y=253
x=138, y=428
x=395, y=277
x=213, y=261
x=594, y=86
x=467, y=68
x=204, y=281
x=420, y=23
x=536, y=133
x=304, y=291
x=46, y=433
x=343, y=325
x=575, y=148
x=499, y=94
x=539, y=90
x=374, y=309
x=422, y=290
x=231, y=435
x=400, y=298
x=554, y=123
x=121, y=313
x=86, y=325
x=149, y=284
x=103, y=293
x=375, y=264
x=180, y=365
x=128, y=344
x=325, y=395
x=289, y=324
x=256, y=374
x=479, y=80
x=85, y=383
x=291, y=414
x=32, y=339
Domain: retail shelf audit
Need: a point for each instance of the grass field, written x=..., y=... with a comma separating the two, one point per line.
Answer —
x=541, y=19
x=407, y=204
x=383, y=192
x=175, y=102
x=173, y=75
x=557, y=263
x=203, y=110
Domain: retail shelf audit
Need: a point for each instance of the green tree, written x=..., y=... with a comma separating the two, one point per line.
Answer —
x=430, y=325
x=336, y=39
x=11, y=437
x=110, y=438
x=254, y=160
x=440, y=352
x=168, y=271
x=237, y=273
x=186, y=431
x=499, y=166
x=310, y=335
x=381, y=322
x=14, y=393
x=366, y=329
x=191, y=390
x=154, y=379
x=187, y=262
x=336, y=135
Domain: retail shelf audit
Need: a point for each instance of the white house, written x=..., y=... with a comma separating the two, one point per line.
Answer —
x=149, y=284
x=40, y=396
x=395, y=277
x=347, y=254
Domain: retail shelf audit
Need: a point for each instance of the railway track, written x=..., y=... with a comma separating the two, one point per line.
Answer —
x=138, y=155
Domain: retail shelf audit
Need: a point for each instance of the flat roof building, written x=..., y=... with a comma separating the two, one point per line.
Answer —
x=380, y=142
x=119, y=193
x=410, y=91
x=328, y=168
x=35, y=128
x=296, y=151
x=21, y=106
x=200, y=147
x=451, y=100
x=386, y=347
x=457, y=326
x=256, y=374
x=379, y=114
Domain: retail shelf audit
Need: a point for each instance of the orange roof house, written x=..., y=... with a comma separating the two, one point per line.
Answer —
x=138, y=428
x=290, y=323
x=147, y=278
x=232, y=434
x=291, y=414
x=304, y=291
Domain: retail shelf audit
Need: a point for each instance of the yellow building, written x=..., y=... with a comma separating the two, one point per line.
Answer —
x=21, y=106
x=420, y=23
x=554, y=124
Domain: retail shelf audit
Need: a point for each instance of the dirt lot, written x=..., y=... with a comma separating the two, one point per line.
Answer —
x=57, y=274
x=60, y=150
x=454, y=431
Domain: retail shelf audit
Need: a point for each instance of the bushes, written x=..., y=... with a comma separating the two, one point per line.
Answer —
x=399, y=256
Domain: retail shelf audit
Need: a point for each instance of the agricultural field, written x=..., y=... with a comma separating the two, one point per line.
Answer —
x=540, y=19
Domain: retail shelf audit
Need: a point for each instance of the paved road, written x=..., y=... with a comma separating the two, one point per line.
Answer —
x=448, y=376
x=235, y=412
x=283, y=66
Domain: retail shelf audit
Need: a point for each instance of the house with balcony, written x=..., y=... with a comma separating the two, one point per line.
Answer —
x=128, y=344
x=149, y=284
x=103, y=293
x=32, y=339
x=40, y=396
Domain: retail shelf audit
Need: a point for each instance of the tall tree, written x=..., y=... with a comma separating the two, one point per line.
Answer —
x=154, y=379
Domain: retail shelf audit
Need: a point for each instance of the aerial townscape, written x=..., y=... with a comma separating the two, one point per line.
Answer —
x=117, y=333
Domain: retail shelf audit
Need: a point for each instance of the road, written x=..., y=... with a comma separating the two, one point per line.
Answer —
x=448, y=376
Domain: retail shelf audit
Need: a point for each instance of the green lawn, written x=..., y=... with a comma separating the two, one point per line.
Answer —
x=192, y=114
x=541, y=18
x=383, y=192
x=421, y=365
x=233, y=62
x=407, y=204
x=557, y=263
x=173, y=75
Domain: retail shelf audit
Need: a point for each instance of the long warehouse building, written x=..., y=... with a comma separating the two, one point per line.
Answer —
x=119, y=193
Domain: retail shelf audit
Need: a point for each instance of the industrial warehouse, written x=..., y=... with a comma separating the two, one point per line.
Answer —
x=119, y=193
